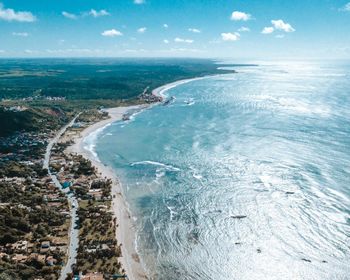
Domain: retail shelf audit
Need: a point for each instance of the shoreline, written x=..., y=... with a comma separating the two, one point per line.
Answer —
x=125, y=233
x=160, y=90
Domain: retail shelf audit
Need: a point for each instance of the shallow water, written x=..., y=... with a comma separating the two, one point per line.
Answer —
x=242, y=176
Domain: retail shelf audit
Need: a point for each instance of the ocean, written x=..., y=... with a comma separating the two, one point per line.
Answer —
x=241, y=176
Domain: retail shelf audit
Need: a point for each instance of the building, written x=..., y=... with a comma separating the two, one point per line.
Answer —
x=92, y=276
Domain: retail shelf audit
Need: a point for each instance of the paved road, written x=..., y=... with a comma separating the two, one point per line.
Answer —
x=74, y=232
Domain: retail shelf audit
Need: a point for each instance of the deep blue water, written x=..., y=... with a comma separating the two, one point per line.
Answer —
x=269, y=144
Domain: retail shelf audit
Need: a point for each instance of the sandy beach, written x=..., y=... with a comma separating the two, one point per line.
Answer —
x=125, y=232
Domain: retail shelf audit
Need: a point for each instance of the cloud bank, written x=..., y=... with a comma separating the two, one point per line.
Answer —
x=12, y=15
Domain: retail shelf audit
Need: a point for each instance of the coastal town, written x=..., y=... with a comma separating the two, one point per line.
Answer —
x=98, y=249
x=36, y=216
x=40, y=216
x=63, y=214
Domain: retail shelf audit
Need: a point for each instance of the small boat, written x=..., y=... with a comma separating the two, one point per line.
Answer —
x=189, y=101
x=167, y=102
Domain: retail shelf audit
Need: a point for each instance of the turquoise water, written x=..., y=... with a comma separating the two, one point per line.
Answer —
x=242, y=176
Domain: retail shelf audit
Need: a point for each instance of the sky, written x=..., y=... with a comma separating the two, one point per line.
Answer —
x=252, y=29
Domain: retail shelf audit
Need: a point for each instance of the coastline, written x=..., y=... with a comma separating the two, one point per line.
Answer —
x=125, y=233
x=159, y=91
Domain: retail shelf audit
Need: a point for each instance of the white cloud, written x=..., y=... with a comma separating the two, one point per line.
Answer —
x=69, y=15
x=230, y=36
x=194, y=30
x=280, y=36
x=138, y=2
x=92, y=13
x=142, y=30
x=268, y=30
x=180, y=40
x=29, y=51
x=346, y=7
x=165, y=25
x=244, y=29
x=281, y=25
x=100, y=13
x=20, y=34
x=111, y=33
x=236, y=15
x=165, y=41
x=12, y=15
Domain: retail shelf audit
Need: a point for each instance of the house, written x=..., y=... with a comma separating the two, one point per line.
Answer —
x=96, y=193
x=62, y=232
x=19, y=258
x=92, y=276
x=41, y=258
x=57, y=241
x=54, y=204
x=45, y=246
x=51, y=261
x=21, y=246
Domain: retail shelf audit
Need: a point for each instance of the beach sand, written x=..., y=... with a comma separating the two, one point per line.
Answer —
x=125, y=231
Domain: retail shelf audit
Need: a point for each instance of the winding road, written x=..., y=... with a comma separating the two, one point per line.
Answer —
x=73, y=202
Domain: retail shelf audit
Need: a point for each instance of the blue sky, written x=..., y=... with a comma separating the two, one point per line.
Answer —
x=252, y=29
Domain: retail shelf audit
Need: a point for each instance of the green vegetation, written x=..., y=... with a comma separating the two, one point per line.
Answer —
x=98, y=248
x=39, y=94
x=95, y=78
x=29, y=215
x=30, y=119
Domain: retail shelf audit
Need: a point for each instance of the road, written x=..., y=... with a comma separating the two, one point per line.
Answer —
x=73, y=202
